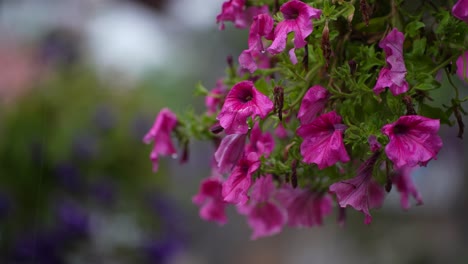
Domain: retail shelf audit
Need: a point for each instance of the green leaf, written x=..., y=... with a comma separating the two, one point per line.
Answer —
x=434, y=112
x=263, y=86
x=412, y=29
x=419, y=47
x=200, y=90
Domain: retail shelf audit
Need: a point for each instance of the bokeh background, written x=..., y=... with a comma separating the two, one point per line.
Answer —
x=81, y=82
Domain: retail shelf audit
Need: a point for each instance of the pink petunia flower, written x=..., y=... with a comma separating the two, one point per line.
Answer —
x=297, y=18
x=305, y=207
x=361, y=192
x=211, y=202
x=260, y=143
x=323, y=141
x=160, y=134
x=229, y=151
x=394, y=73
x=262, y=26
x=235, y=188
x=242, y=102
x=312, y=104
x=281, y=132
x=462, y=65
x=374, y=143
x=237, y=12
x=460, y=10
x=413, y=140
x=404, y=183
x=264, y=214
x=214, y=100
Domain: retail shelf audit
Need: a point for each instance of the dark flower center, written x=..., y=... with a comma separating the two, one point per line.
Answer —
x=292, y=14
x=400, y=129
x=245, y=96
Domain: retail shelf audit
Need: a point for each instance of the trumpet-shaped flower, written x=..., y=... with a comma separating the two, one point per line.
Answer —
x=413, y=140
x=235, y=188
x=210, y=200
x=297, y=18
x=160, y=134
x=237, y=12
x=229, y=151
x=242, y=102
x=394, y=73
x=323, y=141
x=312, y=104
x=405, y=187
x=260, y=143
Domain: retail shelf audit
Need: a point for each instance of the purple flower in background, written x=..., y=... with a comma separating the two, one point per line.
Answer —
x=104, y=190
x=160, y=251
x=38, y=247
x=312, y=104
x=214, y=100
x=85, y=147
x=260, y=143
x=405, y=186
x=394, y=73
x=73, y=220
x=69, y=176
x=160, y=134
x=211, y=202
x=242, y=102
x=462, y=63
x=460, y=10
x=235, y=188
x=237, y=12
x=413, y=140
x=298, y=19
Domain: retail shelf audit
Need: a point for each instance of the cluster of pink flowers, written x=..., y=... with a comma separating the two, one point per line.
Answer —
x=243, y=172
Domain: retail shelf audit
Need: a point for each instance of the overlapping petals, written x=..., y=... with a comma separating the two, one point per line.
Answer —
x=211, y=202
x=312, y=104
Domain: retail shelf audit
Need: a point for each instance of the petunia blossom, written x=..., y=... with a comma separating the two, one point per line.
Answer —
x=242, y=102
x=374, y=143
x=229, y=151
x=160, y=134
x=405, y=186
x=361, y=192
x=413, y=140
x=297, y=18
x=312, y=104
x=394, y=73
x=237, y=12
x=462, y=65
x=460, y=10
x=305, y=207
x=210, y=200
x=260, y=143
x=235, y=188
x=265, y=215
x=262, y=26
x=323, y=141
x=214, y=100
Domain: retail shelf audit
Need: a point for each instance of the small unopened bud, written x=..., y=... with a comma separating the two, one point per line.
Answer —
x=352, y=66
x=279, y=101
x=325, y=44
x=461, y=125
x=409, y=105
x=364, y=7
x=294, y=174
x=230, y=61
x=216, y=128
x=185, y=152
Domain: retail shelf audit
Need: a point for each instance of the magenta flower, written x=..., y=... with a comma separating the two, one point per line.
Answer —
x=305, y=207
x=264, y=214
x=210, y=200
x=229, y=151
x=361, y=192
x=160, y=133
x=242, y=102
x=323, y=141
x=236, y=12
x=214, y=100
x=281, y=132
x=404, y=183
x=262, y=144
x=312, y=104
x=393, y=75
x=460, y=10
x=462, y=64
x=262, y=26
x=373, y=143
x=413, y=140
x=235, y=188
x=297, y=18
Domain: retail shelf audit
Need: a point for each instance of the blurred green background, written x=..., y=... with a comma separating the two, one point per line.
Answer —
x=81, y=82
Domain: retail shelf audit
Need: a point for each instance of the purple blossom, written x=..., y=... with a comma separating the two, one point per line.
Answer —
x=73, y=220
x=214, y=100
x=394, y=73
x=460, y=10
x=312, y=104
x=235, y=188
x=374, y=143
x=405, y=186
x=323, y=141
x=229, y=151
x=242, y=102
x=462, y=62
x=264, y=214
x=260, y=143
x=237, y=12
x=160, y=133
x=413, y=140
x=297, y=18
x=361, y=192
x=262, y=26
x=211, y=202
